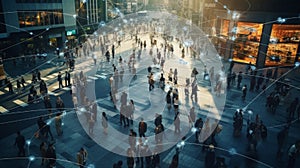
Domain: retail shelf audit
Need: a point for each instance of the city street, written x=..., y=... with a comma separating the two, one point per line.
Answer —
x=137, y=90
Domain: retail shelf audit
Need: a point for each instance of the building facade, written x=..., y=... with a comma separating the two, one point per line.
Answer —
x=29, y=26
x=263, y=34
x=248, y=31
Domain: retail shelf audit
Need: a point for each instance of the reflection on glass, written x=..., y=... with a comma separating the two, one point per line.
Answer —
x=283, y=46
x=246, y=42
x=38, y=18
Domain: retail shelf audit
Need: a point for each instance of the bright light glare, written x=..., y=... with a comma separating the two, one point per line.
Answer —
x=193, y=129
x=31, y=158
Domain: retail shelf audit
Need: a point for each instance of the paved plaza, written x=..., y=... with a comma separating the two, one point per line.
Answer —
x=106, y=149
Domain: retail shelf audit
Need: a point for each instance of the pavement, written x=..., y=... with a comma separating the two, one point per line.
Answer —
x=18, y=115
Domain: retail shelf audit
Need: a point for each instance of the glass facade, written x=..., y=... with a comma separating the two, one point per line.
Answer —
x=38, y=1
x=40, y=18
x=246, y=42
x=283, y=46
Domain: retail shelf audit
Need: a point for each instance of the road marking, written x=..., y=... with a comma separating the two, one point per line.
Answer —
x=29, y=81
x=3, y=110
x=1, y=93
x=101, y=76
x=51, y=76
x=89, y=80
x=55, y=87
x=66, y=88
x=20, y=103
x=51, y=93
x=6, y=88
x=55, y=74
x=91, y=77
x=44, y=78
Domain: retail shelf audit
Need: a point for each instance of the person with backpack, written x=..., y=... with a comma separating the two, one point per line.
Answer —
x=198, y=125
x=142, y=128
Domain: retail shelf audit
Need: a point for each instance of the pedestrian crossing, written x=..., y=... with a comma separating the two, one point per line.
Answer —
x=3, y=110
x=53, y=90
x=20, y=103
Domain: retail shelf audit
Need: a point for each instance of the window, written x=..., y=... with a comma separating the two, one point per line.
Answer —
x=283, y=46
x=40, y=18
x=246, y=42
x=38, y=1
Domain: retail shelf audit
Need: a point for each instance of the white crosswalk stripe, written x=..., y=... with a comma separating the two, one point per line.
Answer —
x=51, y=76
x=66, y=88
x=3, y=110
x=101, y=76
x=20, y=103
x=91, y=77
x=44, y=78
x=52, y=93
x=1, y=93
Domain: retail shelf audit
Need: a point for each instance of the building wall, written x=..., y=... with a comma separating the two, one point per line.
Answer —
x=20, y=31
x=267, y=20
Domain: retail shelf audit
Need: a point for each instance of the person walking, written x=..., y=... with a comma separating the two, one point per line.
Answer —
x=104, y=123
x=175, y=160
x=113, y=51
x=293, y=107
x=293, y=151
x=123, y=111
x=23, y=82
x=94, y=58
x=107, y=55
x=58, y=124
x=281, y=140
x=210, y=157
x=51, y=155
x=18, y=86
x=59, y=79
x=130, y=110
x=142, y=128
x=169, y=100
x=192, y=116
x=60, y=106
x=67, y=78
x=198, y=125
x=132, y=139
x=82, y=157
x=130, y=158
x=239, y=80
x=194, y=91
x=20, y=143
x=244, y=91
x=10, y=86
x=177, y=123
x=43, y=150
x=252, y=83
x=151, y=81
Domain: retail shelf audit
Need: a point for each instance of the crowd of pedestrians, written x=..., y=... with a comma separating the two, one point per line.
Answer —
x=138, y=152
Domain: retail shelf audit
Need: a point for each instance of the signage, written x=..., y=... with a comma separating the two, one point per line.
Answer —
x=71, y=32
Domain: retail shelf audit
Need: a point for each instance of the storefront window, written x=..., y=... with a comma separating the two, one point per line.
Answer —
x=283, y=46
x=246, y=42
x=225, y=28
x=38, y=18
